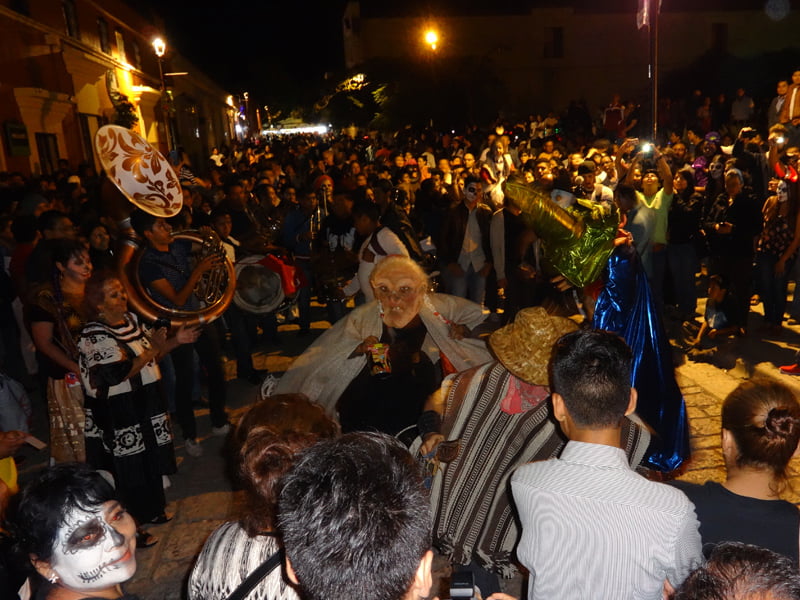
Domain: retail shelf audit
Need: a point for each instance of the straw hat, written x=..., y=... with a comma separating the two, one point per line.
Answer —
x=524, y=346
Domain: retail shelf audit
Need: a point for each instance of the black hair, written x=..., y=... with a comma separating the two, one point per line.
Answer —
x=720, y=280
x=24, y=228
x=626, y=193
x=49, y=219
x=232, y=182
x=61, y=250
x=218, y=212
x=88, y=226
x=369, y=209
x=591, y=370
x=142, y=221
x=737, y=571
x=470, y=179
x=355, y=518
x=37, y=512
x=687, y=174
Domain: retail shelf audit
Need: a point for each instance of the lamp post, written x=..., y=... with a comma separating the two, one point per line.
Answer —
x=431, y=38
x=160, y=48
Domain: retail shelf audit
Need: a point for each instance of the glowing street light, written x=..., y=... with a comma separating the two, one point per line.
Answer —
x=160, y=48
x=431, y=38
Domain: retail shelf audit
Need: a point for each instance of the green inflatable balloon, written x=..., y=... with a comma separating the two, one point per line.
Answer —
x=577, y=241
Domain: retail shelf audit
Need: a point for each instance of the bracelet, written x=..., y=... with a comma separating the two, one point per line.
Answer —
x=429, y=421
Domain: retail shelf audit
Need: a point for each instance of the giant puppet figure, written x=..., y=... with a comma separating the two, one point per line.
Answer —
x=579, y=244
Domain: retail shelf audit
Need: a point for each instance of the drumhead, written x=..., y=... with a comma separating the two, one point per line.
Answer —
x=258, y=289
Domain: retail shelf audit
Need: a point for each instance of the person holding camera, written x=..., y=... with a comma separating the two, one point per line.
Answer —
x=656, y=194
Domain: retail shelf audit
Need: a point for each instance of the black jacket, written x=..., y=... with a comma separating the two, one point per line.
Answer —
x=455, y=227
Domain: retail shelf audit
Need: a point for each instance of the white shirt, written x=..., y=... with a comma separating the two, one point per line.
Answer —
x=593, y=528
x=471, y=247
x=390, y=244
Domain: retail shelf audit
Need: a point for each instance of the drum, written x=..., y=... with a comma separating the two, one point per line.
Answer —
x=265, y=284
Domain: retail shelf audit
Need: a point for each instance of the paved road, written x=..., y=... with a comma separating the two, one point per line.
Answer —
x=201, y=495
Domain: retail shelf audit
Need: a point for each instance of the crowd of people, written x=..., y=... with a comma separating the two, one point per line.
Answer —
x=422, y=247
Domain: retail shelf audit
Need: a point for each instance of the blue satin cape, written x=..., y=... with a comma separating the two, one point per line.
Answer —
x=626, y=307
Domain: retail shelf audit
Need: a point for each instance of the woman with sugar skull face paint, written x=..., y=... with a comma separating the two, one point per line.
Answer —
x=776, y=252
x=79, y=539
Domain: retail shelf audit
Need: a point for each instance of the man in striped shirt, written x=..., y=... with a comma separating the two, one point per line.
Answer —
x=591, y=526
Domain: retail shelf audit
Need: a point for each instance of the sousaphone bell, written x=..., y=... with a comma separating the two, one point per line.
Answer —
x=145, y=178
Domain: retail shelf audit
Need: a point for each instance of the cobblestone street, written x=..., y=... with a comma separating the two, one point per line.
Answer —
x=202, y=498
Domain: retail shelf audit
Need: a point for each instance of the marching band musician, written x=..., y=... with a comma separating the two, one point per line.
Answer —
x=335, y=260
x=297, y=234
x=165, y=271
x=241, y=325
x=244, y=225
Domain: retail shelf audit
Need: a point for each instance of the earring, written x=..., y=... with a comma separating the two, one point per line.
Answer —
x=380, y=309
x=53, y=578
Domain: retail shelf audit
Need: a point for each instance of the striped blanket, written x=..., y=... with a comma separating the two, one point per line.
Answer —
x=470, y=496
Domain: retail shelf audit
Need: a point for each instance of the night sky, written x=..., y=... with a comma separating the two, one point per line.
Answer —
x=280, y=50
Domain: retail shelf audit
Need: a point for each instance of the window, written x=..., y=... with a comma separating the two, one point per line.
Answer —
x=71, y=18
x=553, y=42
x=137, y=56
x=120, y=46
x=47, y=145
x=719, y=36
x=102, y=33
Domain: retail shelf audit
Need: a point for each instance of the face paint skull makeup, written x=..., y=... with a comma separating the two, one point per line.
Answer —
x=95, y=549
x=782, y=192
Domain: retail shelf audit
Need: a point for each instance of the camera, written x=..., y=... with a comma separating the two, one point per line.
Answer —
x=748, y=134
x=647, y=148
x=780, y=140
x=462, y=586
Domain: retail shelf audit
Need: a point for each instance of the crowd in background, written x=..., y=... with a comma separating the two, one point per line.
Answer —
x=717, y=198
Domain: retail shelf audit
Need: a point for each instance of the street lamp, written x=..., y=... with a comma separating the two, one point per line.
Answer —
x=160, y=48
x=431, y=38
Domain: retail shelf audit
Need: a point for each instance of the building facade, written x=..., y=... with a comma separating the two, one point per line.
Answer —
x=71, y=66
x=549, y=56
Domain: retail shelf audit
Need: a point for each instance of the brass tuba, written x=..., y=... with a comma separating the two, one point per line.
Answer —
x=143, y=176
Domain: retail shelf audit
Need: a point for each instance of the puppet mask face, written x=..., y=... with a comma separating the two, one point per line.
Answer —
x=400, y=293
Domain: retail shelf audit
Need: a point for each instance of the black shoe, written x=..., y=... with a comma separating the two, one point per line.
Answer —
x=161, y=519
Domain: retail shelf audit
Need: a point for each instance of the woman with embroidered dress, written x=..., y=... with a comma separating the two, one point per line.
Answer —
x=56, y=316
x=128, y=432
